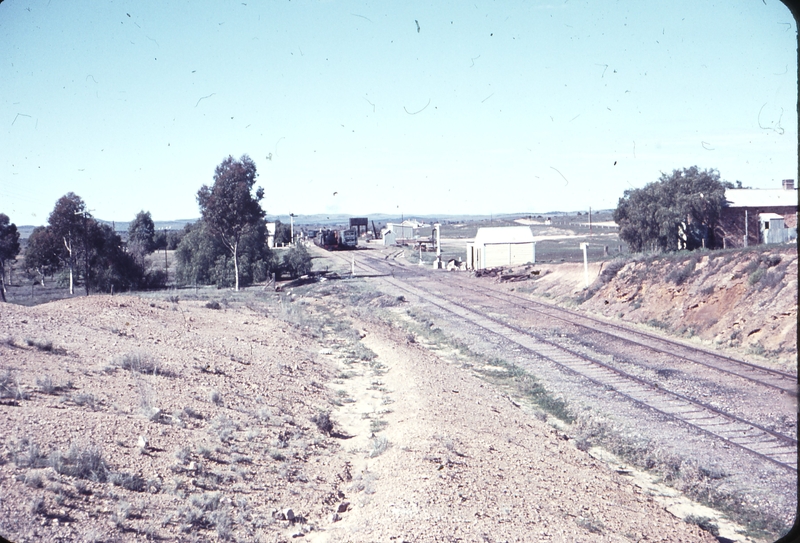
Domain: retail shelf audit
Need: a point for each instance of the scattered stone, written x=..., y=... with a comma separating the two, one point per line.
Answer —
x=142, y=443
x=335, y=517
x=288, y=514
x=343, y=507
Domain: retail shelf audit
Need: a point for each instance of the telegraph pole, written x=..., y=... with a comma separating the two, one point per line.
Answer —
x=166, y=264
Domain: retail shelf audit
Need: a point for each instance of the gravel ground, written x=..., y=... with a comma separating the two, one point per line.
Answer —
x=129, y=418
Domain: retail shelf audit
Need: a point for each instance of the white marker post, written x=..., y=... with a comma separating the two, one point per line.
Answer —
x=585, y=246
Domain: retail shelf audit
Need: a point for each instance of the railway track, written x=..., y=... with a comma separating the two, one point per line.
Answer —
x=772, y=446
x=783, y=382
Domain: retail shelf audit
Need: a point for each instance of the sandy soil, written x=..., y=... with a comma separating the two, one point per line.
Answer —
x=213, y=438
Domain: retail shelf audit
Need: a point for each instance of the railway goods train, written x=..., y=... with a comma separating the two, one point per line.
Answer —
x=337, y=239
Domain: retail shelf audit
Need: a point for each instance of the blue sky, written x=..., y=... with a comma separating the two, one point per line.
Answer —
x=349, y=107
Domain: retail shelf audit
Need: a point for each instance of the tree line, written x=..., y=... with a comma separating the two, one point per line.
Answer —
x=227, y=247
x=679, y=211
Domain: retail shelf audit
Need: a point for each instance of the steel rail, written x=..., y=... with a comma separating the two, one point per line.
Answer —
x=552, y=311
x=642, y=393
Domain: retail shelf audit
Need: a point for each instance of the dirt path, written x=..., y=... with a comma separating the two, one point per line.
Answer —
x=464, y=462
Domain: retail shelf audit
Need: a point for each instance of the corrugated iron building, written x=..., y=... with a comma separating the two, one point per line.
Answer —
x=740, y=217
x=501, y=246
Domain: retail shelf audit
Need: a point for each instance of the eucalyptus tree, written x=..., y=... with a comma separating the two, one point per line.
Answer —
x=67, y=222
x=229, y=207
x=687, y=201
x=9, y=249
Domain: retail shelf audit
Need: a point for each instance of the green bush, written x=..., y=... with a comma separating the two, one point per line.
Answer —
x=679, y=275
x=297, y=261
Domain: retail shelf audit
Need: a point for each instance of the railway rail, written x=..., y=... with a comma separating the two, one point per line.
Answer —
x=784, y=382
x=770, y=445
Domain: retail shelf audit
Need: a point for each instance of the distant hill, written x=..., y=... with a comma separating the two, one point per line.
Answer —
x=337, y=220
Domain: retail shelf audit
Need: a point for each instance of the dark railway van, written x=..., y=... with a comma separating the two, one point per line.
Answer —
x=337, y=239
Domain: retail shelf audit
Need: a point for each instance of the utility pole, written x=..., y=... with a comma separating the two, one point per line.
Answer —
x=166, y=264
x=590, y=220
x=291, y=227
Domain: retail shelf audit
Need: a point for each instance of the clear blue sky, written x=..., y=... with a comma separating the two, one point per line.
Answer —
x=487, y=107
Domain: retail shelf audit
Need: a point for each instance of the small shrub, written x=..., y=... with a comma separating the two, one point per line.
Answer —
x=46, y=385
x=213, y=305
x=28, y=455
x=34, y=480
x=703, y=523
x=207, y=501
x=770, y=261
x=128, y=481
x=750, y=268
x=594, y=526
x=771, y=279
x=215, y=397
x=276, y=454
x=140, y=362
x=121, y=513
x=756, y=276
x=655, y=323
x=377, y=425
x=611, y=269
x=81, y=462
x=10, y=387
x=221, y=521
x=379, y=446
x=46, y=346
x=82, y=400
x=679, y=275
x=756, y=349
x=224, y=427
x=183, y=454
x=36, y=506
x=323, y=421
x=191, y=413
x=708, y=291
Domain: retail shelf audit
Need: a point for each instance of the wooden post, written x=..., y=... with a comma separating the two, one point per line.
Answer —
x=585, y=246
x=745, y=228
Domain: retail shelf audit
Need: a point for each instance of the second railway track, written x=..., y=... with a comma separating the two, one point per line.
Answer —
x=767, y=444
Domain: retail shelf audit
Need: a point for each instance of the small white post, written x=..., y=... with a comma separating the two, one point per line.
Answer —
x=745, y=228
x=534, y=252
x=584, y=246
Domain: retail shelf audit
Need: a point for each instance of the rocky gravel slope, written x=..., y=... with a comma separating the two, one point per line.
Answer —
x=133, y=419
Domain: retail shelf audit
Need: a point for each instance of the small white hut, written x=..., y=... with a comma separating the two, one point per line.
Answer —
x=501, y=246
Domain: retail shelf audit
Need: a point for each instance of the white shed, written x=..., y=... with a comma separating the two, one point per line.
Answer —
x=501, y=246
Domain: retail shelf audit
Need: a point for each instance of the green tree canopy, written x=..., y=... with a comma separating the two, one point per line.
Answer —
x=9, y=249
x=42, y=253
x=141, y=236
x=67, y=222
x=203, y=259
x=229, y=208
x=74, y=236
x=680, y=210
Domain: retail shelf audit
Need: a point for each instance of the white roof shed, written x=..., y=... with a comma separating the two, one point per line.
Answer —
x=501, y=246
x=761, y=197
